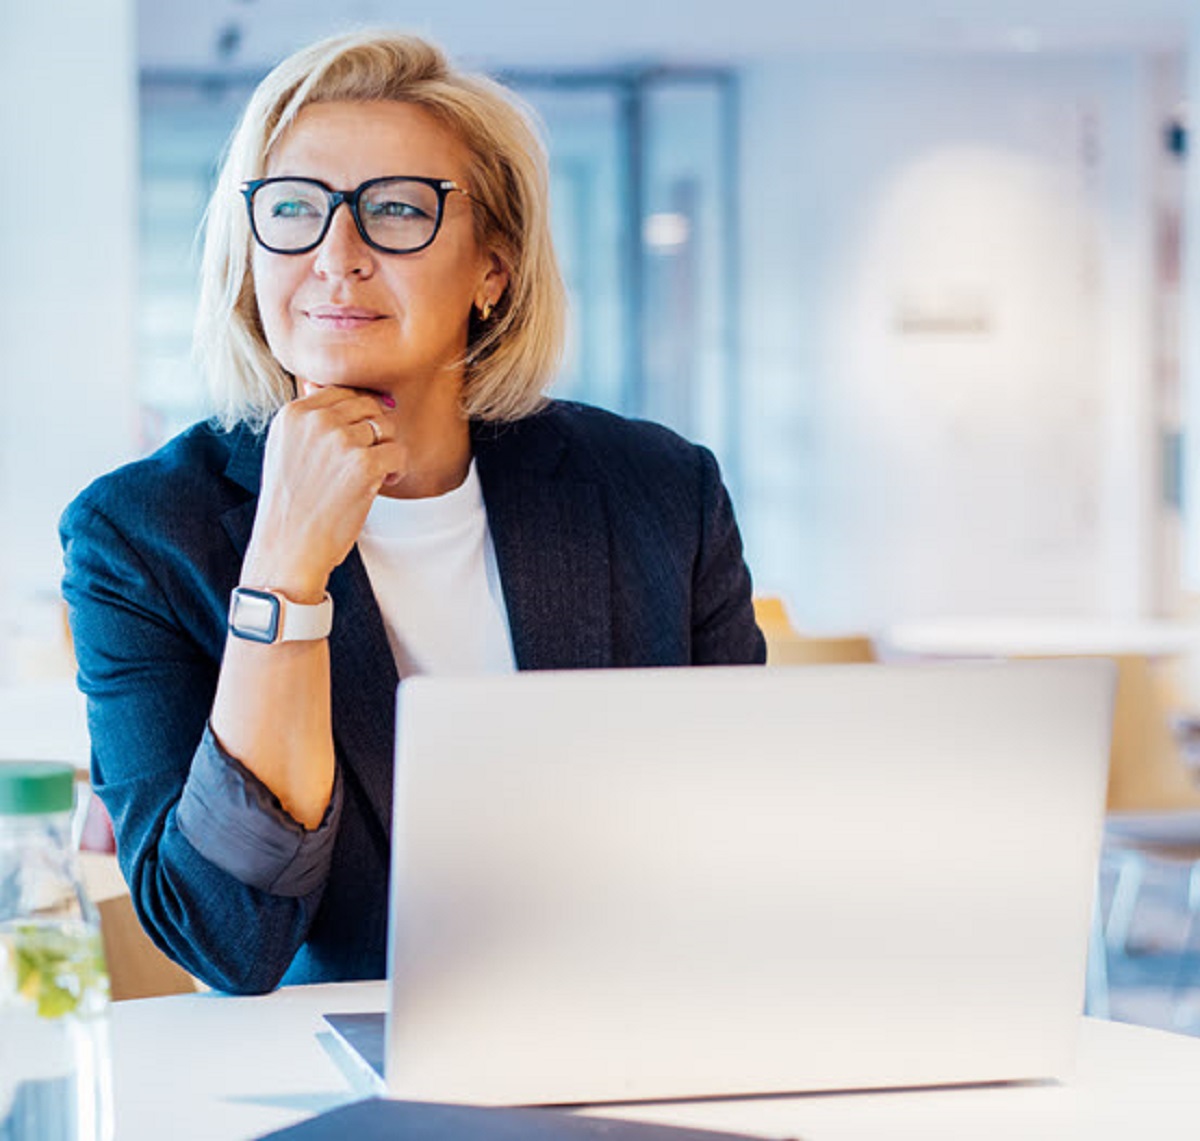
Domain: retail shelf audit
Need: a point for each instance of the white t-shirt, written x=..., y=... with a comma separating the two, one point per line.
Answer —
x=433, y=569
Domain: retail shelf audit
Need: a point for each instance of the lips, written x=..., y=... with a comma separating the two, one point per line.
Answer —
x=342, y=316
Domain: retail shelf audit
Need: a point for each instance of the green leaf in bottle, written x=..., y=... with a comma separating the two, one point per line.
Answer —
x=58, y=969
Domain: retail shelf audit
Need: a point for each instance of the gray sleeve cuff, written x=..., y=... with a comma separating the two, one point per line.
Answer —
x=234, y=821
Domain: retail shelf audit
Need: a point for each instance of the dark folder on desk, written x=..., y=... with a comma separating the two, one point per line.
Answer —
x=378, y=1119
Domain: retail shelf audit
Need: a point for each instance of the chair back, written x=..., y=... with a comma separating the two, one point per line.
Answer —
x=1147, y=772
x=770, y=612
x=798, y=650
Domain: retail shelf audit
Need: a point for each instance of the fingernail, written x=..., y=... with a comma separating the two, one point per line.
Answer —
x=387, y=401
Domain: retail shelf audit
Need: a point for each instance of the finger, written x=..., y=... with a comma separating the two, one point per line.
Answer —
x=323, y=395
x=342, y=408
x=376, y=430
x=389, y=460
x=306, y=388
x=384, y=399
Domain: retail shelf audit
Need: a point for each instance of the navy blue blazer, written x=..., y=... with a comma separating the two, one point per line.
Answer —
x=616, y=545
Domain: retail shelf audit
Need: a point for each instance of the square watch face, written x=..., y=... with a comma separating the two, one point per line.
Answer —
x=254, y=615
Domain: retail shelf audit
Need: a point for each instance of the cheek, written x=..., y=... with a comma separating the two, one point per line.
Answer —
x=442, y=294
x=272, y=293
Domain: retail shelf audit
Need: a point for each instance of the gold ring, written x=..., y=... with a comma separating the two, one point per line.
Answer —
x=376, y=431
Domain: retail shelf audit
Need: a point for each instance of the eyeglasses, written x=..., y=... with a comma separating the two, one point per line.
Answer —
x=396, y=215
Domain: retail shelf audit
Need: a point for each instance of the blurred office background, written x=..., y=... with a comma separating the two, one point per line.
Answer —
x=919, y=277
x=917, y=274
x=923, y=276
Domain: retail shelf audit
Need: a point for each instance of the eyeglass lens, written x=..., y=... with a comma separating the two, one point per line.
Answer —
x=397, y=214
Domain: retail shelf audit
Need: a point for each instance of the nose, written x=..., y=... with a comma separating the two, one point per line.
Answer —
x=343, y=253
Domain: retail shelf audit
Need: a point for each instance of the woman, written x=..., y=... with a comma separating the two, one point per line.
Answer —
x=385, y=491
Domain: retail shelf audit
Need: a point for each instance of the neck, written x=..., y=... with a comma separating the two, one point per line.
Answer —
x=437, y=440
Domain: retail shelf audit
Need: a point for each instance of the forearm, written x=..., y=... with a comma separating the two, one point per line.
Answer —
x=272, y=712
x=272, y=709
x=224, y=880
x=234, y=937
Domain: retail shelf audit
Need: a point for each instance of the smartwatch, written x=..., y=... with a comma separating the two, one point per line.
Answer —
x=267, y=616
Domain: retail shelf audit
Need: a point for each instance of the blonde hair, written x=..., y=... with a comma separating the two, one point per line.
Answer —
x=510, y=358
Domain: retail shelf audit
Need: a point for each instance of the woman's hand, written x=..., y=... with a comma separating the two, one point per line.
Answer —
x=329, y=452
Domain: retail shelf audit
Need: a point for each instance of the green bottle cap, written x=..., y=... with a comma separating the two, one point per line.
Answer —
x=35, y=788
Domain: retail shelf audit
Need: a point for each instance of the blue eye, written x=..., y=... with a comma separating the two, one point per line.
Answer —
x=294, y=208
x=395, y=209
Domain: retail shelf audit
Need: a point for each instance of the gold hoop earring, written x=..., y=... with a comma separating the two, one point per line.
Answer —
x=485, y=311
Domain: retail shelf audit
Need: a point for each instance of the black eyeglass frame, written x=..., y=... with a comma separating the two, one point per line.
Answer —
x=443, y=187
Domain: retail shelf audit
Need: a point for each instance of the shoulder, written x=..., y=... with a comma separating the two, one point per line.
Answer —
x=584, y=423
x=186, y=475
x=148, y=546
x=658, y=488
x=593, y=443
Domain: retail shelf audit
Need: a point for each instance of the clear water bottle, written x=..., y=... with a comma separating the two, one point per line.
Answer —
x=55, y=1071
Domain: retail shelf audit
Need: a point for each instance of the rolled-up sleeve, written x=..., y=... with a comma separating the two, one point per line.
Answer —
x=223, y=880
x=233, y=820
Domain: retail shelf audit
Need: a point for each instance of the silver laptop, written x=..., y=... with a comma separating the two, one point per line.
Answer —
x=624, y=885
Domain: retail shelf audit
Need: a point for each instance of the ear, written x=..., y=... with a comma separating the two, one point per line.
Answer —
x=492, y=284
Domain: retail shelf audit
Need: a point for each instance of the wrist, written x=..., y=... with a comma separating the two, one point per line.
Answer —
x=297, y=584
x=298, y=591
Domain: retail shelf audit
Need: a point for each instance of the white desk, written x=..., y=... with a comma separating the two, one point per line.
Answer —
x=1006, y=637
x=211, y=1068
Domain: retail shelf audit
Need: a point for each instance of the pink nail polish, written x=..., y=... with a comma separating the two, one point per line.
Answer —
x=387, y=401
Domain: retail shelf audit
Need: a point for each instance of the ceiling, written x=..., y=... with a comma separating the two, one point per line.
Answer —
x=249, y=35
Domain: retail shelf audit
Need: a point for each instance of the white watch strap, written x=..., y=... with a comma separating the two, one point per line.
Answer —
x=300, y=622
x=268, y=616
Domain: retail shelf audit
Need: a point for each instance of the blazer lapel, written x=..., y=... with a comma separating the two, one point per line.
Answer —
x=362, y=668
x=364, y=685
x=550, y=530
x=245, y=469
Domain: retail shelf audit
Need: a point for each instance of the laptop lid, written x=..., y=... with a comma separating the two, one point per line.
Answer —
x=646, y=884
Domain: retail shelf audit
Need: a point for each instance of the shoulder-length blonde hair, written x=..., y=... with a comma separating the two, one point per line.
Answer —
x=511, y=357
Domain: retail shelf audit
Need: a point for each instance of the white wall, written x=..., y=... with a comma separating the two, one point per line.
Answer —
x=996, y=455
x=68, y=215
